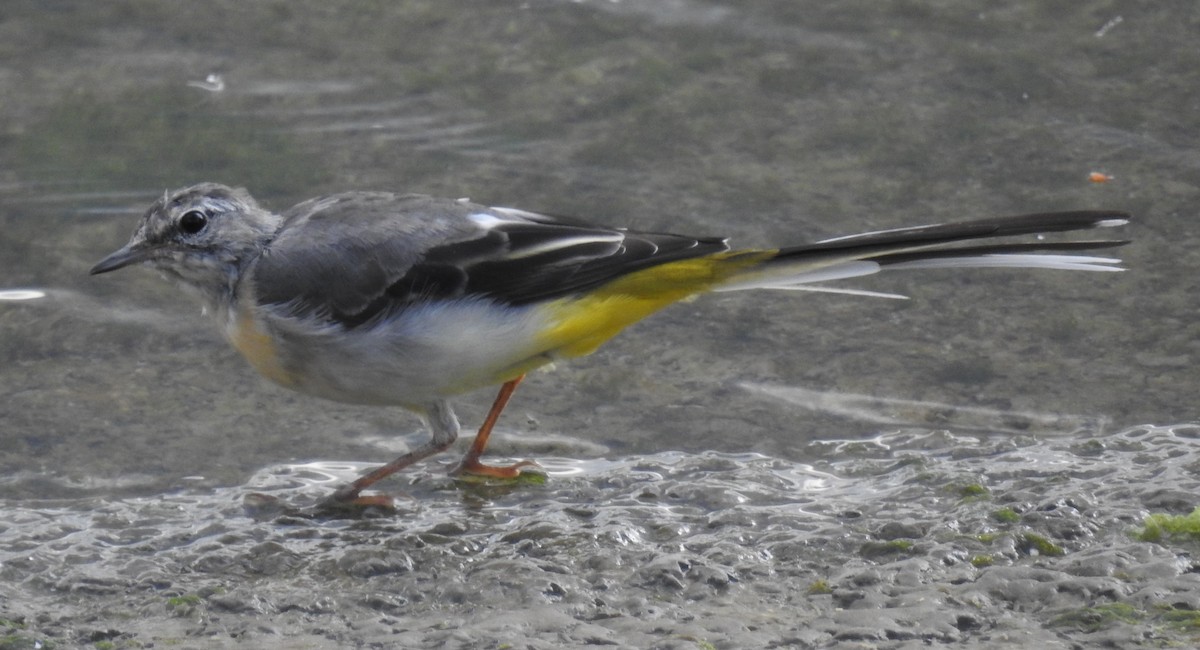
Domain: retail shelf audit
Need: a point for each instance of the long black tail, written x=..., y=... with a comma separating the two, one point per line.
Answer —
x=936, y=247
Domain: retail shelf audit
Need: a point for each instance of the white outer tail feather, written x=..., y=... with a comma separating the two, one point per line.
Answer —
x=797, y=279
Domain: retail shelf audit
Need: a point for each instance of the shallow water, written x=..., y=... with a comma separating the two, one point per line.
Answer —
x=915, y=536
x=970, y=467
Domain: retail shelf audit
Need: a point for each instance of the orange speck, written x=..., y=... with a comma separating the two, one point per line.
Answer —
x=1099, y=177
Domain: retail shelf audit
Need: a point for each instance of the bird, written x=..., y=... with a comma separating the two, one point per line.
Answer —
x=407, y=300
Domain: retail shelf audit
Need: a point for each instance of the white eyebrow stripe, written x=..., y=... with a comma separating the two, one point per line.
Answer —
x=561, y=243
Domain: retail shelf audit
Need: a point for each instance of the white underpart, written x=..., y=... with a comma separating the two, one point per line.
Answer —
x=433, y=351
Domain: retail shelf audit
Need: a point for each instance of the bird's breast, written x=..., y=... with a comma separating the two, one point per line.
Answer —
x=251, y=338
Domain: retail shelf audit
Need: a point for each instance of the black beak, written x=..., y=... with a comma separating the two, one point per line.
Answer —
x=131, y=253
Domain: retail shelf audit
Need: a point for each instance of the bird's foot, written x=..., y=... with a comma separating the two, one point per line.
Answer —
x=474, y=470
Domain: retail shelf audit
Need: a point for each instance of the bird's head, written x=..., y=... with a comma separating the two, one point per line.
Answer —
x=200, y=236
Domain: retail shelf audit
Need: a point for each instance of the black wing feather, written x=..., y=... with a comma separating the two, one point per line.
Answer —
x=409, y=249
x=578, y=268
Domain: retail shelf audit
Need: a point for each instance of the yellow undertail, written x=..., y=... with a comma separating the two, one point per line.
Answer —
x=583, y=323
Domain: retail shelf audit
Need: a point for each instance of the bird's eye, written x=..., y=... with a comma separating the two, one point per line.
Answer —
x=192, y=222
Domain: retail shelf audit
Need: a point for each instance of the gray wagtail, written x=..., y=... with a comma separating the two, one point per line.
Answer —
x=408, y=300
